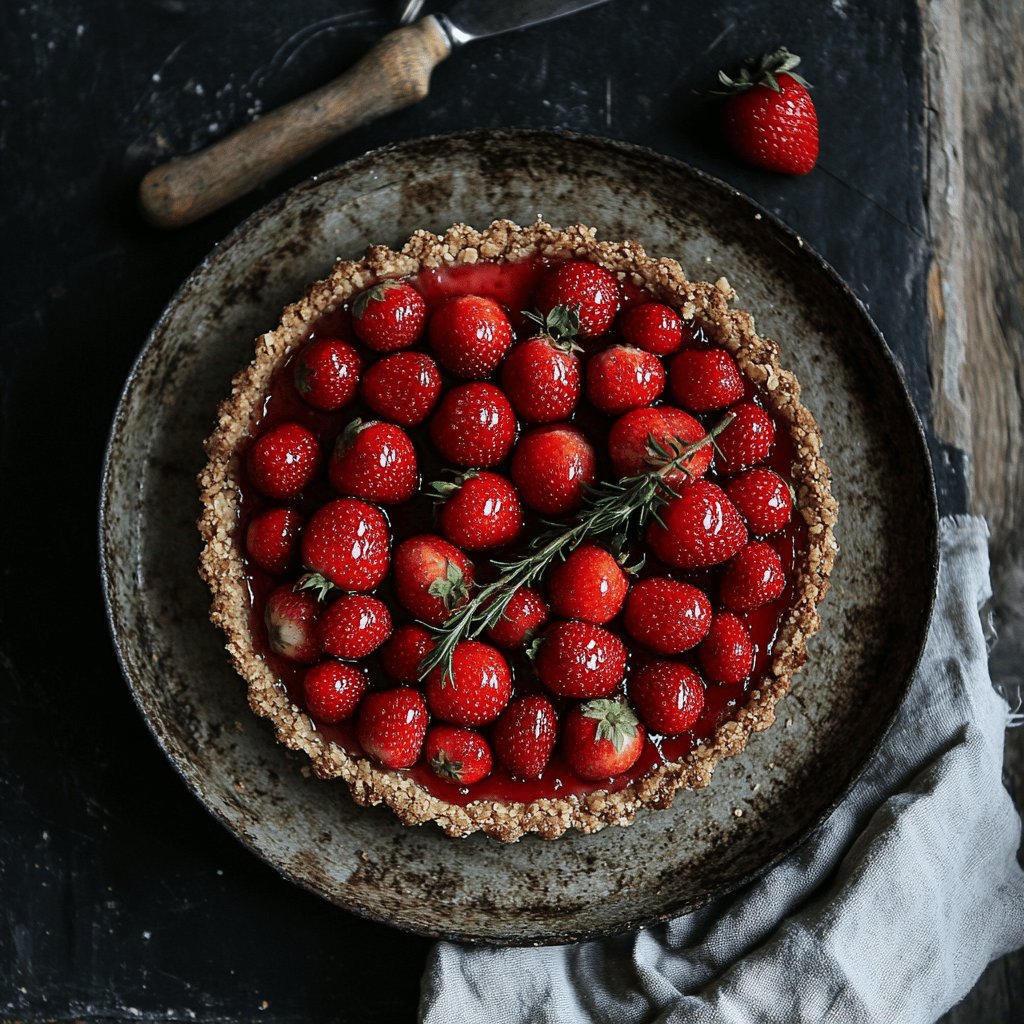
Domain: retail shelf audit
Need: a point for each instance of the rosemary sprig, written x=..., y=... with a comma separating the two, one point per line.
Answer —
x=621, y=507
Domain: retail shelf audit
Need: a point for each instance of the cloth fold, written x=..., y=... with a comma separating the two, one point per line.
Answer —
x=889, y=912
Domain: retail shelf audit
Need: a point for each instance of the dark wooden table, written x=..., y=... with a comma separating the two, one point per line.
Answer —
x=121, y=898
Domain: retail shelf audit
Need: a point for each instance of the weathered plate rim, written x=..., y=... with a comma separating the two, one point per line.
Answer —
x=772, y=223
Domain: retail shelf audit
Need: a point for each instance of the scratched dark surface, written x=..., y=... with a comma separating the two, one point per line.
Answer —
x=120, y=897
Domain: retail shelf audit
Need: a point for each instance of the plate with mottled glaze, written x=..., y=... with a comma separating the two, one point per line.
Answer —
x=760, y=804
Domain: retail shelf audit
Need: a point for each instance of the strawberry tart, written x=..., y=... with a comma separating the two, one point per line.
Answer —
x=516, y=530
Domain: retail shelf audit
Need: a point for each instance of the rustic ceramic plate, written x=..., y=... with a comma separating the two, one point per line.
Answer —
x=760, y=804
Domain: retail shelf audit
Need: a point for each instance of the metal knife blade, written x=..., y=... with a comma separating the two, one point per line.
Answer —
x=477, y=19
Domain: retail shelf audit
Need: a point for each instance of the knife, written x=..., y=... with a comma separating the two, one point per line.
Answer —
x=393, y=75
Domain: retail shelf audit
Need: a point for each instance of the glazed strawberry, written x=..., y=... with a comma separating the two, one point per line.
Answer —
x=667, y=616
x=541, y=377
x=629, y=443
x=726, y=654
x=272, y=539
x=622, y=377
x=470, y=336
x=747, y=440
x=524, y=736
x=333, y=690
x=769, y=118
x=431, y=577
x=602, y=739
x=520, y=620
x=282, y=461
x=327, y=373
x=668, y=696
x=754, y=578
x=481, y=510
x=698, y=529
x=403, y=387
x=589, y=585
x=457, y=755
x=652, y=326
x=703, y=379
x=474, y=425
x=389, y=316
x=353, y=626
x=346, y=544
x=763, y=498
x=475, y=690
x=552, y=466
x=290, y=617
x=591, y=291
x=401, y=655
x=375, y=461
x=392, y=725
x=578, y=659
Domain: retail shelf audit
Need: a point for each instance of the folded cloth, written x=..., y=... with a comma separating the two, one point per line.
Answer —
x=889, y=912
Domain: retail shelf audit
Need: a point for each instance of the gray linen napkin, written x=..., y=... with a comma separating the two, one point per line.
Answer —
x=889, y=913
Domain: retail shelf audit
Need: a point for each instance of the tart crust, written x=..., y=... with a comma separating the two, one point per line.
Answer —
x=222, y=566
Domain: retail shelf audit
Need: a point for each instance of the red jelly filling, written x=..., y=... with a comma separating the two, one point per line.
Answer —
x=513, y=286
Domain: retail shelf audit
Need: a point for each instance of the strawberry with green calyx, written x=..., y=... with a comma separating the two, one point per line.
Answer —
x=768, y=118
x=457, y=755
x=585, y=287
x=389, y=316
x=479, y=510
x=375, y=461
x=602, y=739
x=432, y=578
x=614, y=507
x=541, y=376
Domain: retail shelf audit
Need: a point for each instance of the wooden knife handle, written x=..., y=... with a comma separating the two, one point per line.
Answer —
x=393, y=75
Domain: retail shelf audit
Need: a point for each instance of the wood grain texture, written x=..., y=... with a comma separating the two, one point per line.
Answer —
x=393, y=75
x=974, y=63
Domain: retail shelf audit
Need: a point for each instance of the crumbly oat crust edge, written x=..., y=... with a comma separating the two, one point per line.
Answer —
x=221, y=561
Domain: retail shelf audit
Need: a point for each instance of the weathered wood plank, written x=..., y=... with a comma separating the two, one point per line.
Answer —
x=974, y=59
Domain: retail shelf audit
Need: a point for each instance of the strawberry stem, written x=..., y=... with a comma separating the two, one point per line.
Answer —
x=623, y=506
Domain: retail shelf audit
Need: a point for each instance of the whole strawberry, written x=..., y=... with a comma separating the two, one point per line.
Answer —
x=392, y=725
x=667, y=616
x=375, y=461
x=763, y=498
x=726, y=654
x=475, y=690
x=747, y=440
x=401, y=655
x=431, y=577
x=652, y=326
x=602, y=739
x=578, y=659
x=333, y=690
x=520, y=620
x=290, y=618
x=552, y=466
x=622, y=377
x=705, y=379
x=457, y=755
x=631, y=450
x=588, y=289
x=474, y=425
x=668, y=696
x=470, y=336
x=282, y=461
x=389, y=316
x=541, y=377
x=327, y=373
x=698, y=529
x=754, y=578
x=769, y=119
x=589, y=585
x=403, y=387
x=524, y=736
x=272, y=539
x=353, y=626
x=481, y=510
x=346, y=544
